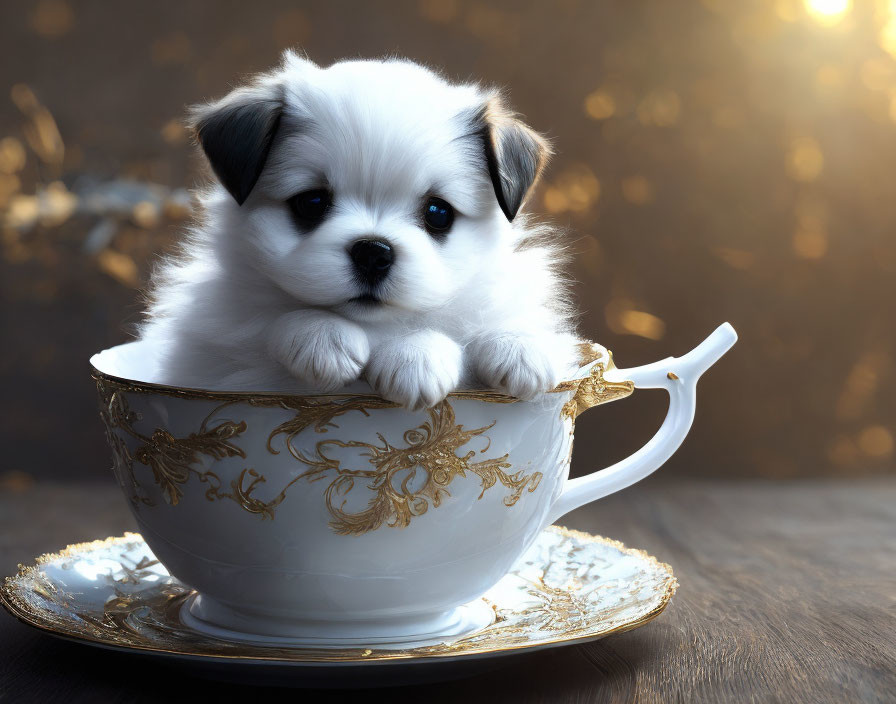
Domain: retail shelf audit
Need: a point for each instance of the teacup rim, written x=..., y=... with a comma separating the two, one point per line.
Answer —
x=592, y=354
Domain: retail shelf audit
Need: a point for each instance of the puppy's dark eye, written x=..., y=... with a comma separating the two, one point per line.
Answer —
x=438, y=216
x=310, y=207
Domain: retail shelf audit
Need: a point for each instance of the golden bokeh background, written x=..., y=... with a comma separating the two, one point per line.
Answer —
x=716, y=160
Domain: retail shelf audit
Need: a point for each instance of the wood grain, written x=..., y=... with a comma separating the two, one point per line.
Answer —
x=787, y=594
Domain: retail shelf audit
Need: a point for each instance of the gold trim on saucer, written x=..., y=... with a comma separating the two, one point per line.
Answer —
x=569, y=587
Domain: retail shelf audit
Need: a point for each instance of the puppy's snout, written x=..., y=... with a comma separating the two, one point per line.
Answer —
x=372, y=259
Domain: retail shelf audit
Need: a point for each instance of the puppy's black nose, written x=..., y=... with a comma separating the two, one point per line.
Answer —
x=372, y=259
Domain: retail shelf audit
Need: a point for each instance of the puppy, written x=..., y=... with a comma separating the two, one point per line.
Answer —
x=365, y=223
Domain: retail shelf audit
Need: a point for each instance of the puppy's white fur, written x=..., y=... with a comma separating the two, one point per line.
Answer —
x=254, y=303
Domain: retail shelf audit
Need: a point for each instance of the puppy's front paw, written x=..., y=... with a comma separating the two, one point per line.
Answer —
x=521, y=366
x=416, y=371
x=324, y=350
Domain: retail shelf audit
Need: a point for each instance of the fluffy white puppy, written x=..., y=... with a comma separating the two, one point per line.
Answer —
x=366, y=225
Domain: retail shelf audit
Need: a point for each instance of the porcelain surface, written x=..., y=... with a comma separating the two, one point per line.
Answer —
x=334, y=519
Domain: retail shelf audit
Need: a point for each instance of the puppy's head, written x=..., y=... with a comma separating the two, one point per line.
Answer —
x=370, y=187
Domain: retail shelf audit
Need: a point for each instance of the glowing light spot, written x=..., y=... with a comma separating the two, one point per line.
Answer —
x=15, y=480
x=21, y=212
x=637, y=190
x=555, y=201
x=637, y=322
x=660, y=108
x=599, y=105
x=57, y=204
x=576, y=189
x=861, y=384
x=805, y=159
x=174, y=132
x=810, y=244
x=12, y=155
x=50, y=206
x=119, y=266
x=41, y=132
x=623, y=319
x=828, y=12
x=9, y=186
x=886, y=36
x=52, y=18
x=876, y=441
x=146, y=214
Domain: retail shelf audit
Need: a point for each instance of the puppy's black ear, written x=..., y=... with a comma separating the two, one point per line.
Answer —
x=515, y=154
x=236, y=134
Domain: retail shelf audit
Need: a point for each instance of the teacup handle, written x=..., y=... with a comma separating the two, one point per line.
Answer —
x=678, y=376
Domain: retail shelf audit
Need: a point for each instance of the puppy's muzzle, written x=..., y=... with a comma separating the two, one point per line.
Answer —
x=372, y=260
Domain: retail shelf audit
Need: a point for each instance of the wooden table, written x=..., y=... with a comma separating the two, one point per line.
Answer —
x=788, y=593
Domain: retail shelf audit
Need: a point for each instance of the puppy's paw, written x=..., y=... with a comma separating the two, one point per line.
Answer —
x=417, y=370
x=521, y=366
x=324, y=350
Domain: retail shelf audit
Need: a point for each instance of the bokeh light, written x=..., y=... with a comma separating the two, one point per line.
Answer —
x=876, y=441
x=805, y=159
x=600, y=105
x=828, y=12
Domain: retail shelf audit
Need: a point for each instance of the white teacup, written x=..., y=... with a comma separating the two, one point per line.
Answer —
x=342, y=519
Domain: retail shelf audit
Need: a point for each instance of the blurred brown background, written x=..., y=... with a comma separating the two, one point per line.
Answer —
x=717, y=160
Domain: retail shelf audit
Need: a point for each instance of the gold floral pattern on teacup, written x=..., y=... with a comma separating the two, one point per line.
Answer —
x=170, y=459
x=432, y=448
x=401, y=480
x=318, y=413
x=433, y=451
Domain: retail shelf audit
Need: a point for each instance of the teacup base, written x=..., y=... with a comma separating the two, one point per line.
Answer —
x=218, y=620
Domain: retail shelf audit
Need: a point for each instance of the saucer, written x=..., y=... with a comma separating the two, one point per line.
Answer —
x=569, y=587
